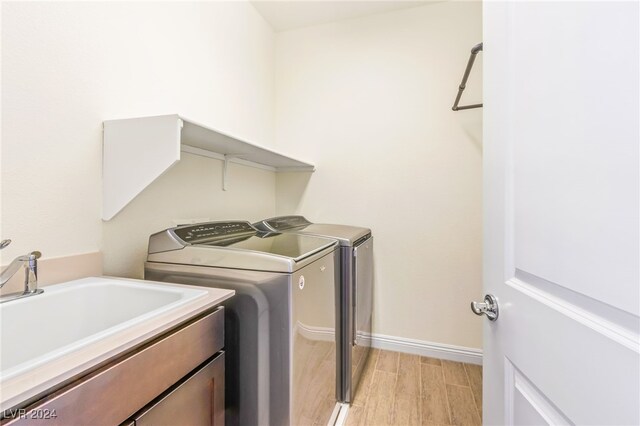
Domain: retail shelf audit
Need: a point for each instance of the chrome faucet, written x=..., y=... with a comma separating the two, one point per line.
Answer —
x=30, y=263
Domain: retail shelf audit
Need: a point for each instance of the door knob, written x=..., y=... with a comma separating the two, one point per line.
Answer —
x=489, y=307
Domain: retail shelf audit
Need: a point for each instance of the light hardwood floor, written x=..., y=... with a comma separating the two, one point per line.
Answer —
x=402, y=389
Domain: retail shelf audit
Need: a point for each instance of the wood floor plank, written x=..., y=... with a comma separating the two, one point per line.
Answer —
x=385, y=397
x=355, y=416
x=388, y=361
x=462, y=406
x=474, y=373
x=409, y=362
x=408, y=375
x=454, y=373
x=428, y=360
x=379, y=408
x=406, y=410
x=382, y=385
x=434, y=409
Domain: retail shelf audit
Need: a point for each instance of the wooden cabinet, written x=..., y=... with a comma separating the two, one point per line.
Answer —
x=198, y=399
x=175, y=373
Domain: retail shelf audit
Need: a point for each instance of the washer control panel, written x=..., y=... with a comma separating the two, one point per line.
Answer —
x=212, y=230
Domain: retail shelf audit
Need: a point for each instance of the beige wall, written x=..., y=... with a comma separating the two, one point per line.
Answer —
x=369, y=100
x=66, y=67
x=250, y=196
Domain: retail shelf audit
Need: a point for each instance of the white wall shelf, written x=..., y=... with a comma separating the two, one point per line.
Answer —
x=137, y=151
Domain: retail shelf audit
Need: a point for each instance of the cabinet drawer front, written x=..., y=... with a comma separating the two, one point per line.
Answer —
x=115, y=392
x=199, y=400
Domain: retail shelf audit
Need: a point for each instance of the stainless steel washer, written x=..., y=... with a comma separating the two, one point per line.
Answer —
x=356, y=292
x=280, y=327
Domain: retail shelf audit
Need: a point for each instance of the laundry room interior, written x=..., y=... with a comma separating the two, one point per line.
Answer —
x=214, y=175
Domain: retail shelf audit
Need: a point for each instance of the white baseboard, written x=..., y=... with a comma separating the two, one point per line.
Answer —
x=401, y=344
x=430, y=349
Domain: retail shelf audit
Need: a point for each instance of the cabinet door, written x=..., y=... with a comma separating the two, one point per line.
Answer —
x=196, y=400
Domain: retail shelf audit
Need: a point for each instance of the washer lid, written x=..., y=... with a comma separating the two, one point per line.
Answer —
x=236, y=245
x=296, y=247
x=345, y=234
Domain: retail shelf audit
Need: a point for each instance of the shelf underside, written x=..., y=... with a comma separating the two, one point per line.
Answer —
x=137, y=151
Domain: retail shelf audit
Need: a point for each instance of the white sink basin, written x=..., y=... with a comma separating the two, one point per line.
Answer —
x=49, y=339
x=67, y=317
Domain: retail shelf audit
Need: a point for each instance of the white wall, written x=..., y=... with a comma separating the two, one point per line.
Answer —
x=66, y=67
x=369, y=100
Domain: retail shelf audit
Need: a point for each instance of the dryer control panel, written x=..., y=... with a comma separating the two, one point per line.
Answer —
x=283, y=223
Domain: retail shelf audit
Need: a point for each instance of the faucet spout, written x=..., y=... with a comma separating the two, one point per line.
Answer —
x=11, y=270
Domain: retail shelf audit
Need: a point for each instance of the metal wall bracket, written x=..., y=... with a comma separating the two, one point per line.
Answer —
x=136, y=151
x=474, y=51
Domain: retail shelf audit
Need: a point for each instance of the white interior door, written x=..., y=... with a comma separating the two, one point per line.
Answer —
x=561, y=203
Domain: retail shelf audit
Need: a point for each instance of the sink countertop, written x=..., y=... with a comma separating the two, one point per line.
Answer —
x=14, y=391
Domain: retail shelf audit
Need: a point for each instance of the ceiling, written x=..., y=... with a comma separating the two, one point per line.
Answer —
x=290, y=14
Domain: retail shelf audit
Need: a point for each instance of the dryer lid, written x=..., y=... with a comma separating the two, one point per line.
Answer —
x=347, y=235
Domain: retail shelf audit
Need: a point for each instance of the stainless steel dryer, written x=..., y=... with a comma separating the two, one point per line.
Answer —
x=356, y=292
x=279, y=369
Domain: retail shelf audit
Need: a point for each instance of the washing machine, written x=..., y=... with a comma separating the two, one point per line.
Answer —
x=355, y=292
x=280, y=327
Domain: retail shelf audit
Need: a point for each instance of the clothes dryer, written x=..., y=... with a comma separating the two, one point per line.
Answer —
x=355, y=292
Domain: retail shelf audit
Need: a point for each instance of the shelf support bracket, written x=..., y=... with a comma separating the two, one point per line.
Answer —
x=225, y=169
